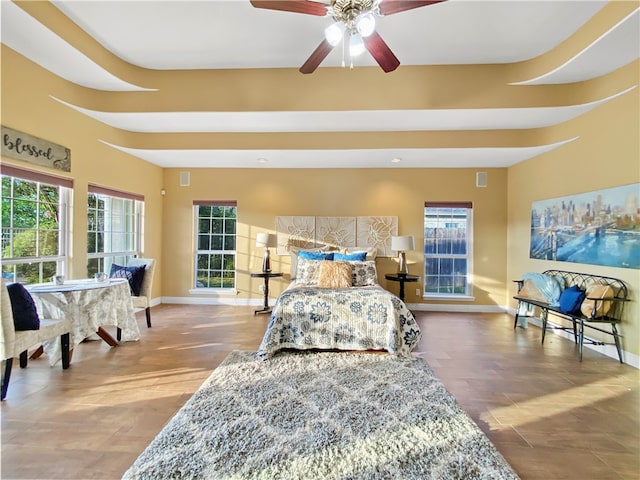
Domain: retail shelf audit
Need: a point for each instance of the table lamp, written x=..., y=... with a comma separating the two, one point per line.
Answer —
x=266, y=240
x=401, y=245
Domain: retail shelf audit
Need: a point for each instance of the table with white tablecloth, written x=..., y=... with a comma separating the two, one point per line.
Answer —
x=88, y=304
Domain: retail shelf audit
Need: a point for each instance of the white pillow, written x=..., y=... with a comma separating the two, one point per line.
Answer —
x=371, y=251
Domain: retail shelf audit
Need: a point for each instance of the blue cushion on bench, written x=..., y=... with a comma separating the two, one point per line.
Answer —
x=571, y=299
x=547, y=285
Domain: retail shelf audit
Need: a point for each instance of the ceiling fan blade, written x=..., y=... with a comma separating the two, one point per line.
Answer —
x=381, y=52
x=297, y=6
x=316, y=58
x=389, y=7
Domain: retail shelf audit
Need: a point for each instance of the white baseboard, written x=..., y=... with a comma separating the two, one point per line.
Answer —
x=441, y=307
x=240, y=302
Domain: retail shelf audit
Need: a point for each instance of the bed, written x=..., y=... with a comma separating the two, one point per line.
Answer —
x=339, y=305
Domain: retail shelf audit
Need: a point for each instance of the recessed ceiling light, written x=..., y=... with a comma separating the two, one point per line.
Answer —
x=262, y=160
x=396, y=160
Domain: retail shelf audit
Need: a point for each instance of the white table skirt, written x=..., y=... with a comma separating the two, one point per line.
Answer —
x=89, y=305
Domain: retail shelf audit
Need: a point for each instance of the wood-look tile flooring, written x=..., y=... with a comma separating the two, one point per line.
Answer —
x=549, y=415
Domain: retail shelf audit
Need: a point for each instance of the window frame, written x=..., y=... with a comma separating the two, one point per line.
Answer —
x=468, y=256
x=106, y=258
x=65, y=197
x=197, y=251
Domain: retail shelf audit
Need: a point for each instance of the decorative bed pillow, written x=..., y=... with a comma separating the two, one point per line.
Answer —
x=25, y=314
x=309, y=255
x=597, y=308
x=294, y=251
x=570, y=299
x=370, y=252
x=135, y=276
x=334, y=274
x=364, y=273
x=350, y=257
x=308, y=271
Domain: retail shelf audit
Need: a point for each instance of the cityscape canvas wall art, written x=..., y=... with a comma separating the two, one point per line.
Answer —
x=597, y=228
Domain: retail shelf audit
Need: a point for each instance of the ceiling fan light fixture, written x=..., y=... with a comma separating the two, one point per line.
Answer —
x=334, y=33
x=356, y=45
x=366, y=24
x=355, y=18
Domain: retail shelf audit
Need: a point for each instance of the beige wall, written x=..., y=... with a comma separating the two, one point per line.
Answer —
x=606, y=154
x=27, y=107
x=264, y=194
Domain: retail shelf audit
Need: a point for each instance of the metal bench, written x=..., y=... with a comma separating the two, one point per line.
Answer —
x=613, y=315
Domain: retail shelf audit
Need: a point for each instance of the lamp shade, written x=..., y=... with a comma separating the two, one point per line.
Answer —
x=403, y=243
x=265, y=240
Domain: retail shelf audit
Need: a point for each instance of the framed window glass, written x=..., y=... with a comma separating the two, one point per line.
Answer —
x=114, y=228
x=215, y=238
x=447, y=249
x=34, y=225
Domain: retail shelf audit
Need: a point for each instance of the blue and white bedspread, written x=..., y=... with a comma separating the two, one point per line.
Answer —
x=356, y=318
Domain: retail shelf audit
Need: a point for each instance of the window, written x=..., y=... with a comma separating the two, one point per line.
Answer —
x=215, y=259
x=114, y=233
x=447, y=248
x=34, y=224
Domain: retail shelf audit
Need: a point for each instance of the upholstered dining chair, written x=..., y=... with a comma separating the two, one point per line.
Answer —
x=144, y=299
x=17, y=342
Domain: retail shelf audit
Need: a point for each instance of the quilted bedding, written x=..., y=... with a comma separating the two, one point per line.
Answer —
x=356, y=318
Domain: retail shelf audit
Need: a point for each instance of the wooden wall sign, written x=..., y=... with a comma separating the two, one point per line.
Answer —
x=25, y=147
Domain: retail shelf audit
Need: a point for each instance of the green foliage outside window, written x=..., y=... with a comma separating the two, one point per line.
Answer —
x=216, y=245
x=30, y=229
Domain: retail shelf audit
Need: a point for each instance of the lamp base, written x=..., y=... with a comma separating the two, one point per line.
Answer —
x=266, y=261
x=403, y=268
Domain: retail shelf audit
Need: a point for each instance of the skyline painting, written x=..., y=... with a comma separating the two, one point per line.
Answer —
x=598, y=228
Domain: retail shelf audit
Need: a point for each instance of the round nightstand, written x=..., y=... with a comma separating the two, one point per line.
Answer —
x=402, y=279
x=266, y=275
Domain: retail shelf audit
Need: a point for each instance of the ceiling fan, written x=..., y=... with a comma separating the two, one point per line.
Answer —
x=354, y=22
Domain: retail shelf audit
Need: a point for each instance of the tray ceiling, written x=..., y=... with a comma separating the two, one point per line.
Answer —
x=220, y=35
